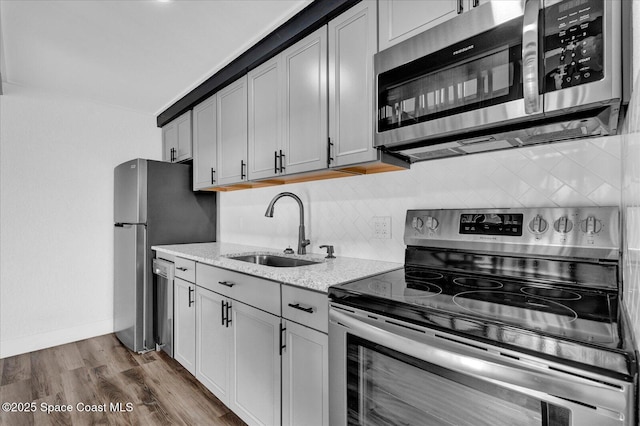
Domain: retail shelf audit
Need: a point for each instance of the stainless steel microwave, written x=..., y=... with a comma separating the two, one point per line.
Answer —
x=505, y=74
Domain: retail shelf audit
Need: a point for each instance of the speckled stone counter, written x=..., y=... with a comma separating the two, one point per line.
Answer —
x=318, y=277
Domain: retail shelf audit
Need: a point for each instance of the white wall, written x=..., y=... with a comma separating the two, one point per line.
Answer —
x=340, y=211
x=56, y=214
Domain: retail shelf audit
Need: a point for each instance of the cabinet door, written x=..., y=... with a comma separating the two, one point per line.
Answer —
x=169, y=142
x=183, y=124
x=255, y=383
x=305, y=131
x=213, y=343
x=232, y=133
x=352, y=44
x=265, y=118
x=184, y=311
x=305, y=378
x=204, y=144
x=401, y=19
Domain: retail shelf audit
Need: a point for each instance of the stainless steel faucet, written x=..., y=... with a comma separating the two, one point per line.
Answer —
x=302, y=242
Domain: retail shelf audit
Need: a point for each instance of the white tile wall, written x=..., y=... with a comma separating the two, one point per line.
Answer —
x=340, y=211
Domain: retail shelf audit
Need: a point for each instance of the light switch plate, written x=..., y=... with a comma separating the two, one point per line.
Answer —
x=381, y=227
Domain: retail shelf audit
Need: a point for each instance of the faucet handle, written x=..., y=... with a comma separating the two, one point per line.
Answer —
x=288, y=250
x=329, y=251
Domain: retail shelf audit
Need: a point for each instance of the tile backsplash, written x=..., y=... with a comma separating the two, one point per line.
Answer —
x=341, y=212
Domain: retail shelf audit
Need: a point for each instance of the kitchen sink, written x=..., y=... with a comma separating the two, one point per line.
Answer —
x=273, y=260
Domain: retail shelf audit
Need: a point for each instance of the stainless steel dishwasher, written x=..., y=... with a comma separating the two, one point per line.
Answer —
x=163, y=272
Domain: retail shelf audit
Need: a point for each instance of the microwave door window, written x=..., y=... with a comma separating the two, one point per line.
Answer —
x=429, y=88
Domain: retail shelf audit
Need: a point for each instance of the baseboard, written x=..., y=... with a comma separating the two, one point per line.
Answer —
x=34, y=342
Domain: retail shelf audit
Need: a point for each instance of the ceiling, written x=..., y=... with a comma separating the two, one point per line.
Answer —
x=137, y=54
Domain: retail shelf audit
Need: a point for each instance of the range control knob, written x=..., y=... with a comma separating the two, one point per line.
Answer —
x=563, y=225
x=591, y=225
x=538, y=225
x=417, y=223
x=432, y=223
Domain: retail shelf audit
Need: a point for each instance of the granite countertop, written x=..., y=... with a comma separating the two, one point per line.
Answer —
x=318, y=277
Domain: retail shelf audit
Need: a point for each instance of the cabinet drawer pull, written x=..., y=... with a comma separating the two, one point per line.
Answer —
x=223, y=310
x=281, y=165
x=213, y=176
x=242, y=173
x=226, y=283
x=275, y=161
x=283, y=338
x=228, y=315
x=191, y=291
x=329, y=157
x=308, y=309
x=180, y=268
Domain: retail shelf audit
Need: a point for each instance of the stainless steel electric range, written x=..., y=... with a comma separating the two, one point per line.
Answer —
x=499, y=317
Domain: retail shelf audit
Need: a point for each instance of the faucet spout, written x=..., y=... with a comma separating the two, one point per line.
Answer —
x=302, y=241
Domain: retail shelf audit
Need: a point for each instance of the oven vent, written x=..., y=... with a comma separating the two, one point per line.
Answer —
x=586, y=378
x=555, y=136
x=460, y=342
x=431, y=155
x=404, y=326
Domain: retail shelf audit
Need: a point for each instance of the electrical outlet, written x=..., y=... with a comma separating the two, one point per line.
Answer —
x=382, y=227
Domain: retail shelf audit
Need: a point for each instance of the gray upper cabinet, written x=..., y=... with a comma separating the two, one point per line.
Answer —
x=232, y=133
x=401, y=19
x=288, y=110
x=204, y=144
x=176, y=139
x=352, y=44
x=305, y=104
x=266, y=116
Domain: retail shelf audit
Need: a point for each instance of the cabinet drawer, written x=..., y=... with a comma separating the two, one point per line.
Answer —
x=306, y=307
x=260, y=293
x=185, y=269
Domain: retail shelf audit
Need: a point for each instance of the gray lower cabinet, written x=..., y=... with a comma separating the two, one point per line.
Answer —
x=305, y=359
x=213, y=343
x=305, y=396
x=238, y=344
x=184, y=338
x=255, y=365
x=258, y=346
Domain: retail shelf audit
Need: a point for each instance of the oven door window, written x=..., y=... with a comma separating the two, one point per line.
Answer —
x=385, y=387
x=470, y=75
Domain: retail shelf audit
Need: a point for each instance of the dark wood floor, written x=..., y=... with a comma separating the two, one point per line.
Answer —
x=101, y=371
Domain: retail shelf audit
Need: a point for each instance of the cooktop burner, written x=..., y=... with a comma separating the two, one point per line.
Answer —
x=477, y=282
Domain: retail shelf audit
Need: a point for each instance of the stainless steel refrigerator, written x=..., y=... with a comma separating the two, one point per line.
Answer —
x=153, y=204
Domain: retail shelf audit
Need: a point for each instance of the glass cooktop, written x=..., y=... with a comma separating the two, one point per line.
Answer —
x=452, y=299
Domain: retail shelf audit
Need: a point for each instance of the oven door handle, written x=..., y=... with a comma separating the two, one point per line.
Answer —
x=462, y=358
x=530, y=52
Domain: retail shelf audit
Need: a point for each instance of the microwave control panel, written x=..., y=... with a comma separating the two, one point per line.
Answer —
x=573, y=43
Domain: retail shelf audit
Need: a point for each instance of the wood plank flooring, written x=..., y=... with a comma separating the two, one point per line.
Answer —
x=98, y=373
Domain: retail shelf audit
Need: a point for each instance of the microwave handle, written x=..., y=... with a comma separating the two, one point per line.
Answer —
x=530, y=28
